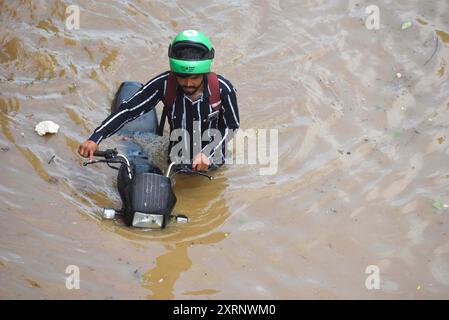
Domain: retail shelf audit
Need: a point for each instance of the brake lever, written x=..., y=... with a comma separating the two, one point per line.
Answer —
x=205, y=175
x=101, y=161
x=85, y=163
x=190, y=171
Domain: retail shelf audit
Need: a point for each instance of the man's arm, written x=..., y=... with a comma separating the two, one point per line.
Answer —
x=140, y=103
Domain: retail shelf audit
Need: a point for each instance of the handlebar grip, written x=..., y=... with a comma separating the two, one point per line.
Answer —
x=107, y=154
x=99, y=153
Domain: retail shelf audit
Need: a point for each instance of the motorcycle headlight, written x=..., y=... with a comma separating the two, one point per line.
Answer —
x=145, y=220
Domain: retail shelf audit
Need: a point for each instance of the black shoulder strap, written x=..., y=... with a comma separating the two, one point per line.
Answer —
x=160, y=128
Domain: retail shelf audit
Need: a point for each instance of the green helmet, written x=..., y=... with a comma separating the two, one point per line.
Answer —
x=191, y=39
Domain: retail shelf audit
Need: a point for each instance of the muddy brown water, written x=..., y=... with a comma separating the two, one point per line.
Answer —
x=363, y=154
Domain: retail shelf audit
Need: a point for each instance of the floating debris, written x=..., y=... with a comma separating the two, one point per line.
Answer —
x=443, y=35
x=33, y=283
x=51, y=159
x=137, y=274
x=422, y=21
x=398, y=75
x=71, y=87
x=439, y=205
x=45, y=127
x=406, y=25
x=434, y=51
x=165, y=276
x=53, y=180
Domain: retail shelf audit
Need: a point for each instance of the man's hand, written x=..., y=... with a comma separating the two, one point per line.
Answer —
x=200, y=162
x=87, y=149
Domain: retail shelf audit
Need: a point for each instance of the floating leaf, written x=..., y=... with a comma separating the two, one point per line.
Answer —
x=406, y=25
x=438, y=205
x=443, y=35
x=422, y=21
x=33, y=283
x=71, y=87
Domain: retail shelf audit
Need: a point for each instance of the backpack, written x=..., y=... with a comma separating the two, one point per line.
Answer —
x=170, y=96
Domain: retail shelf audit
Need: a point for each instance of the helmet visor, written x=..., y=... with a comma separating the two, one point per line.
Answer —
x=201, y=52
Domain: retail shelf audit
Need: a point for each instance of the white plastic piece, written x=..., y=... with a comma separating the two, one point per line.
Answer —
x=108, y=213
x=45, y=127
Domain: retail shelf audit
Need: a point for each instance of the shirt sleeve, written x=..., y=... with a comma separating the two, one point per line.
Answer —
x=230, y=114
x=140, y=103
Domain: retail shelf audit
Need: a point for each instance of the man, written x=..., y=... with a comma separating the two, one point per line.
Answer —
x=201, y=111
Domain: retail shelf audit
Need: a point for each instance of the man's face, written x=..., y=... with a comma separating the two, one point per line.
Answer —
x=190, y=84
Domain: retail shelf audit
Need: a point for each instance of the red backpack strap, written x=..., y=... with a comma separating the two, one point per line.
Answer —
x=169, y=99
x=214, y=87
x=170, y=91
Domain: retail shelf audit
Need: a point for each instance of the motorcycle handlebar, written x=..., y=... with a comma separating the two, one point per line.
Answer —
x=107, y=154
x=110, y=156
x=99, y=153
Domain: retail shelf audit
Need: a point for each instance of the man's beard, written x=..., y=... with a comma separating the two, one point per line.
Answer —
x=191, y=90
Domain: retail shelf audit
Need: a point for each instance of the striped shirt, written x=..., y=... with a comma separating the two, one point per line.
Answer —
x=203, y=130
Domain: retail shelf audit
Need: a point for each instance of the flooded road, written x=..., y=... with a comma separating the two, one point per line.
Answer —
x=363, y=174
